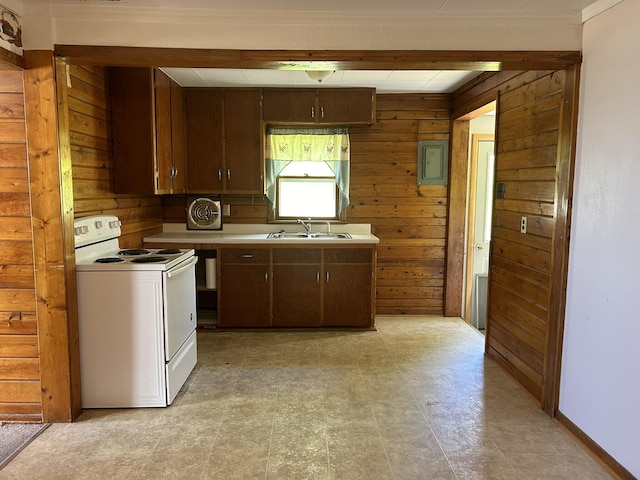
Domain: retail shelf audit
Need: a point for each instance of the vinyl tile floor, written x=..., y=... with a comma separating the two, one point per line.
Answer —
x=416, y=399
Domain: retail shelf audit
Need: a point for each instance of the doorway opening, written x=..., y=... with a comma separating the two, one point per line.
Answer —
x=480, y=188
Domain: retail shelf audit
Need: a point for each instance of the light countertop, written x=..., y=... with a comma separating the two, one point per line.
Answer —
x=242, y=234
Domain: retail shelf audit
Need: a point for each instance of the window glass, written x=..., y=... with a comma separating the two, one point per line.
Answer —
x=306, y=197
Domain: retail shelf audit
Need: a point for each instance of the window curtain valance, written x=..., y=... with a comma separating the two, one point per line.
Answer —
x=329, y=145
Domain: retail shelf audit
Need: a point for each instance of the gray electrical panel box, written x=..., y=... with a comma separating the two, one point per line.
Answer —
x=433, y=162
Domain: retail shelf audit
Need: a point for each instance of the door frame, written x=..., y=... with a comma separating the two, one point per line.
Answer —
x=476, y=138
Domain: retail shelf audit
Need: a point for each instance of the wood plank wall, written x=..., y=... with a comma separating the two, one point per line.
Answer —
x=89, y=106
x=20, y=397
x=410, y=220
x=527, y=141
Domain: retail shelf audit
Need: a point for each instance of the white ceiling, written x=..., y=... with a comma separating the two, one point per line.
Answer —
x=384, y=81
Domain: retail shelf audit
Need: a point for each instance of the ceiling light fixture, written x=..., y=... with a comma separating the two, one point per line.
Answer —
x=320, y=75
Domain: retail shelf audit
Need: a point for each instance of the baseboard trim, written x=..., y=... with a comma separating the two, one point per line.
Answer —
x=606, y=460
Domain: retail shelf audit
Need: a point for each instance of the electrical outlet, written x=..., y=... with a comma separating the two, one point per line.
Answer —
x=226, y=210
x=523, y=225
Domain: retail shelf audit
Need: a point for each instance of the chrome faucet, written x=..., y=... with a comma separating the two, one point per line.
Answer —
x=306, y=225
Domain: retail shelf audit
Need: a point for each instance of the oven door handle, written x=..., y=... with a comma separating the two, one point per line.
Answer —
x=182, y=268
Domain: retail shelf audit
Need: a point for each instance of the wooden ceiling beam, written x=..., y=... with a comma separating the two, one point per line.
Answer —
x=319, y=59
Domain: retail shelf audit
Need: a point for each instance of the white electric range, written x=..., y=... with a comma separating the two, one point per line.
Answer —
x=136, y=318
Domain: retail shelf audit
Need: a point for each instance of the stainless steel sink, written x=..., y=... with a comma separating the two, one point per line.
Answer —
x=303, y=235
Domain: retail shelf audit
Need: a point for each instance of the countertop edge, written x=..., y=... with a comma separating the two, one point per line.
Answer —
x=245, y=239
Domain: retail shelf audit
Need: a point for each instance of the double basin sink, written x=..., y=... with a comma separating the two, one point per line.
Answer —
x=304, y=235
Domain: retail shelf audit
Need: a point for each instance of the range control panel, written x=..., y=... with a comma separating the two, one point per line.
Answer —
x=88, y=230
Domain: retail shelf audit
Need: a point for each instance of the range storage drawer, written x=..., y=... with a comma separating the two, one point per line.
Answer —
x=244, y=255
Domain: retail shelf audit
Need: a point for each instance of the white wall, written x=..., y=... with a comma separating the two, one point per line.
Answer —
x=600, y=383
x=112, y=24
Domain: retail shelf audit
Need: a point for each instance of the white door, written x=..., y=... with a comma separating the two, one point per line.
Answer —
x=484, y=196
x=480, y=229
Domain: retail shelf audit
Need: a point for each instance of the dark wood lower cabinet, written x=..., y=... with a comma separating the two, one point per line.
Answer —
x=297, y=300
x=347, y=295
x=244, y=296
x=296, y=287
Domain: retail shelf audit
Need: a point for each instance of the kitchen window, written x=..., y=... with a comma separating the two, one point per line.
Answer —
x=307, y=172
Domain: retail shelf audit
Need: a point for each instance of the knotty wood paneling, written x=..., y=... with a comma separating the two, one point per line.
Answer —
x=534, y=160
x=410, y=220
x=19, y=356
x=90, y=139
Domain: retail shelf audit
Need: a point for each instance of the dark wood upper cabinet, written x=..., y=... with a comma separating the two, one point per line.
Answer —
x=148, y=131
x=349, y=106
x=289, y=105
x=224, y=141
x=243, y=152
x=336, y=106
x=204, y=110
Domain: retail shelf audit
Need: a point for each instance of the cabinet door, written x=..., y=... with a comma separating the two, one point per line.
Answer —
x=348, y=289
x=164, y=153
x=347, y=295
x=346, y=106
x=297, y=287
x=177, y=139
x=133, y=123
x=289, y=106
x=244, y=296
x=296, y=296
x=204, y=134
x=244, y=166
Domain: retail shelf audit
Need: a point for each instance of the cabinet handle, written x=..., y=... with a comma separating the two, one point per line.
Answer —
x=219, y=175
x=247, y=255
x=321, y=112
x=228, y=174
x=313, y=111
x=266, y=277
x=317, y=277
x=327, y=277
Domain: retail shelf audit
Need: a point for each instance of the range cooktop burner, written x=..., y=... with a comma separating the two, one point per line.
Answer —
x=109, y=260
x=169, y=251
x=134, y=251
x=151, y=259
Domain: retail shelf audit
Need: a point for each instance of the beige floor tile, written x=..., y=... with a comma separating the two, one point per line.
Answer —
x=173, y=466
x=416, y=399
x=242, y=465
x=541, y=465
x=419, y=464
x=360, y=465
x=481, y=466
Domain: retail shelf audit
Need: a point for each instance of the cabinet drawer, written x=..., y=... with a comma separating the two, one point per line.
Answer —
x=347, y=255
x=296, y=255
x=244, y=255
